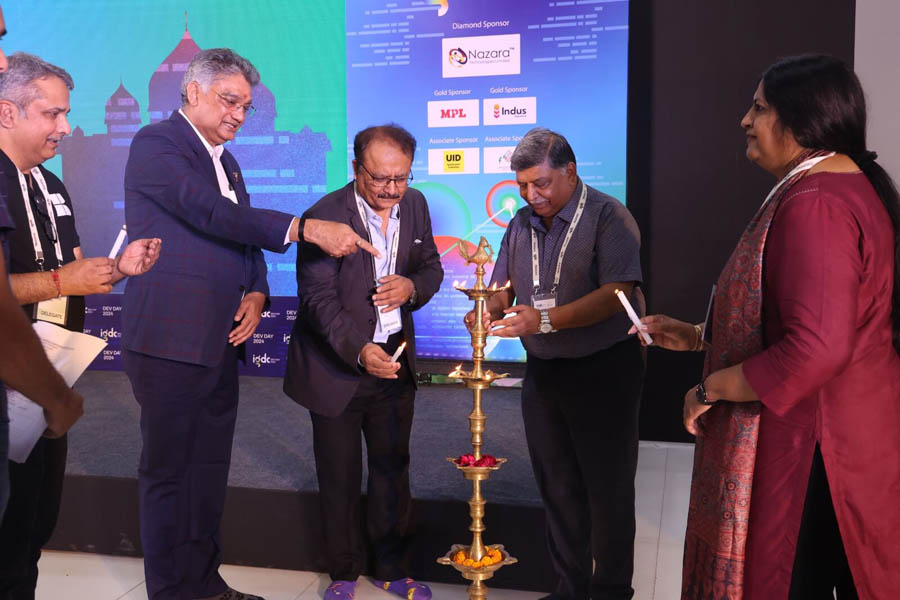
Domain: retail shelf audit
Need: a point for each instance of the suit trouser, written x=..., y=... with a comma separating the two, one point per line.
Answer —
x=35, y=492
x=820, y=563
x=187, y=425
x=4, y=449
x=581, y=425
x=382, y=410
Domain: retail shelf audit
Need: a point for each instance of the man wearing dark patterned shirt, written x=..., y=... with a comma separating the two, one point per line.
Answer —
x=565, y=255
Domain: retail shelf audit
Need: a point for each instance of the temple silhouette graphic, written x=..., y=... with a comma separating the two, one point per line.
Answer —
x=283, y=170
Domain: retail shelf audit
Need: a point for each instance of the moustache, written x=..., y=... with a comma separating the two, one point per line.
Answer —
x=389, y=196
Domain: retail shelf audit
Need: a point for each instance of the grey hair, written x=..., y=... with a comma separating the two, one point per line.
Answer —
x=211, y=65
x=17, y=82
x=541, y=144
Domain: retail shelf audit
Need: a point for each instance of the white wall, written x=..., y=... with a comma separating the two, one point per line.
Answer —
x=877, y=63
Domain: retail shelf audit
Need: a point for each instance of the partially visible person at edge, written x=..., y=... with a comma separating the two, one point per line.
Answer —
x=49, y=277
x=797, y=416
x=23, y=363
x=582, y=439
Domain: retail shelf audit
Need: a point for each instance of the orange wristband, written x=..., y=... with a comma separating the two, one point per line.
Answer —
x=56, y=281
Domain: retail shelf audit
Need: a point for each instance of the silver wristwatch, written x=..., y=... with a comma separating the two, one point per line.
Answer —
x=545, y=326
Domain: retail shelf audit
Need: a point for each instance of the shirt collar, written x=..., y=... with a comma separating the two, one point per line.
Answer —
x=214, y=151
x=370, y=213
x=566, y=213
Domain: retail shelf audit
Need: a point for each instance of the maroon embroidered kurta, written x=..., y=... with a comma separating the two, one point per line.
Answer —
x=828, y=375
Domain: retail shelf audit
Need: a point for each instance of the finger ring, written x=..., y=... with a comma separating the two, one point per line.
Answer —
x=358, y=242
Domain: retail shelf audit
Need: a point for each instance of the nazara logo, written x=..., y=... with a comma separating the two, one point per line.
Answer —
x=263, y=359
x=453, y=113
x=458, y=57
x=108, y=334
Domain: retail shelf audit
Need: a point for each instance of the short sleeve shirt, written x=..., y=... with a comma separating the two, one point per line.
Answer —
x=605, y=248
x=22, y=256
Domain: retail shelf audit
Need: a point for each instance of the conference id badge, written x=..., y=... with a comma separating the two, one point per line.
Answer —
x=389, y=321
x=52, y=311
x=543, y=301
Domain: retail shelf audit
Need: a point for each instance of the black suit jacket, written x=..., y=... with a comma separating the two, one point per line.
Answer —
x=336, y=317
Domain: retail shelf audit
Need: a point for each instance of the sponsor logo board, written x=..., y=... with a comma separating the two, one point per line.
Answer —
x=510, y=111
x=482, y=55
x=453, y=161
x=453, y=113
x=496, y=159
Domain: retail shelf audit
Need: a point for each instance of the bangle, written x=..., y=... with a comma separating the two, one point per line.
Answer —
x=56, y=281
x=698, y=347
x=702, y=398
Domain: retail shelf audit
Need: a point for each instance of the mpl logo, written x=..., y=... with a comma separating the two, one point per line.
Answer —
x=481, y=55
x=453, y=113
x=510, y=111
x=263, y=359
x=108, y=334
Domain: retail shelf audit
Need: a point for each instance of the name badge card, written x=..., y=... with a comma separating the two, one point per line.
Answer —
x=52, y=311
x=389, y=321
x=543, y=301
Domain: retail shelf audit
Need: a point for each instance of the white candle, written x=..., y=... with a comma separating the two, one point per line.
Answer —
x=120, y=239
x=398, y=352
x=634, y=318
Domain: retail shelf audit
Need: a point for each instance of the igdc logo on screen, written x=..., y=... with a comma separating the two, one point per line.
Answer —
x=263, y=359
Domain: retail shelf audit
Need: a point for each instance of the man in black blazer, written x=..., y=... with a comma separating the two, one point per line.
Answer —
x=355, y=312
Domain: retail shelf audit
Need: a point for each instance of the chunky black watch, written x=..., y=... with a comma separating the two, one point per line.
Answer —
x=701, y=394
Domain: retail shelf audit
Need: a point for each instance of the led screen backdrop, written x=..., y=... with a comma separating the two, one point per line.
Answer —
x=466, y=77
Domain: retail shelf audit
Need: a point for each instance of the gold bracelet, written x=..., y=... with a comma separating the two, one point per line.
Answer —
x=698, y=347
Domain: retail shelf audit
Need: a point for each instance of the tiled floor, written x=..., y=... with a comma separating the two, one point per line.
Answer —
x=662, y=486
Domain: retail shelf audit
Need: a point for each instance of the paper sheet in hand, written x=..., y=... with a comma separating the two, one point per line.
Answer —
x=70, y=352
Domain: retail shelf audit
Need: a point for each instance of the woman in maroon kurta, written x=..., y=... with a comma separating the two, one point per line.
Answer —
x=803, y=360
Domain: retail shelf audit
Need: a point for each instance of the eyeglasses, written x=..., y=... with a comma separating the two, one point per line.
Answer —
x=384, y=181
x=233, y=105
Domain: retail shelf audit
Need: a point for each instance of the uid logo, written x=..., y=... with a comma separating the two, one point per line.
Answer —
x=108, y=334
x=454, y=161
x=263, y=359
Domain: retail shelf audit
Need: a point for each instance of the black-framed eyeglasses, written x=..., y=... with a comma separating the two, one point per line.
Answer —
x=249, y=109
x=40, y=205
x=384, y=181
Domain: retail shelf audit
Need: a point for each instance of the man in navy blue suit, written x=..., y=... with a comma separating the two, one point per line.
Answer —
x=184, y=323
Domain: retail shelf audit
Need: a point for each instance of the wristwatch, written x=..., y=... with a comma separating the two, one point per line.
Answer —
x=413, y=297
x=701, y=394
x=545, y=326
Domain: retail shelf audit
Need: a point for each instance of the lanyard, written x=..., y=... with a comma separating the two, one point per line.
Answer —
x=35, y=240
x=392, y=265
x=806, y=165
x=535, y=256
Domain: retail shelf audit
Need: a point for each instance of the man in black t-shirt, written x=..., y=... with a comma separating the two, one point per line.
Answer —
x=23, y=363
x=49, y=277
